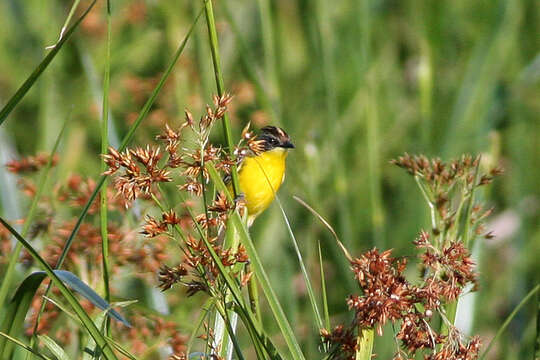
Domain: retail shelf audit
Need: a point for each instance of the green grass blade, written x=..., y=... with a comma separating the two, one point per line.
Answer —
x=91, y=350
x=307, y=281
x=24, y=346
x=271, y=296
x=29, y=82
x=509, y=319
x=259, y=271
x=16, y=311
x=204, y=313
x=54, y=347
x=323, y=289
x=103, y=212
x=79, y=286
x=365, y=344
x=327, y=225
x=68, y=295
x=10, y=271
x=120, y=349
x=249, y=67
x=537, y=342
x=243, y=310
x=66, y=23
x=64, y=309
x=142, y=115
x=214, y=47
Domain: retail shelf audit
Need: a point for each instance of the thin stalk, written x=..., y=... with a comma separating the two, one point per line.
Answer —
x=373, y=153
x=509, y=319
x=257, y=345
x=24, y=346
x=231, y=242
x=250, y=70
x=204, y=313
x=323, y=289
x=269, y=292
x=244, y=311
x=127, y=138
x=537, y=342
x=253, y=294
x=307, y=281
x=66, y=23
x=214, y=48
x=10, y=271
x=225, y=315
x=29, y=82
x=203, y=184
x=431, y=205
x=365, y=344
x=464, y=234
x=270, y=65
x=68, y=295
x=104, y=146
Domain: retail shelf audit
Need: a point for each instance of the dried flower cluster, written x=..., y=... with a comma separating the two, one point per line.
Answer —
x=30, y=164
x=388, y=296
x=54, y=229
x=141, y=171
x=189, y=153
x=448, y=269
x=142, y=168
x=446, y=186
x=138, y=171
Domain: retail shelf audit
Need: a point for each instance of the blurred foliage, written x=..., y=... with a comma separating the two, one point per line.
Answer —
x=354, y=82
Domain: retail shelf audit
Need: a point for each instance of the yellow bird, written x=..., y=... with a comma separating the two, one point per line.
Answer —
x=260, y=176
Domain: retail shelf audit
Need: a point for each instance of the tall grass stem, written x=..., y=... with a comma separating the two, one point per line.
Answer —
x=10, y=270
x=508, y=320
x=104, y=146
x=214, y=48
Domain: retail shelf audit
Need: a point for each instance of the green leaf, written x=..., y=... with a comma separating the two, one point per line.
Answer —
x=19, y=305
x=509, y=319
x=29, y=82
x=120, y=349
x=307, y=281
x=365, y=344
x=79, y=286
x=54, y=347
x=23, y=345
x=91, y=350
x=258, y=268
x=142, y=115
x=10, y=271
x=252, y=325
x=323, y=288
x=127, y=139
x=16, y=311
x=68, y=295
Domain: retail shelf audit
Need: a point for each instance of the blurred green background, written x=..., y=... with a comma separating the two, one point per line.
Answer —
x=354, y=82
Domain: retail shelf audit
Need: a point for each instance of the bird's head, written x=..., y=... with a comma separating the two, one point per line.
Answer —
x=272, y=137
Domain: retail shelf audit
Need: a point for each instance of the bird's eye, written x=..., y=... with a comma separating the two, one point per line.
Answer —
x=274, y=142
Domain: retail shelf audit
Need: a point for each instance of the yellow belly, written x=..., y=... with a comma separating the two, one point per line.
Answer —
x=260, y=178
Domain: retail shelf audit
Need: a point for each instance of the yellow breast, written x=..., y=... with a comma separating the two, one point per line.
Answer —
x=260, y=178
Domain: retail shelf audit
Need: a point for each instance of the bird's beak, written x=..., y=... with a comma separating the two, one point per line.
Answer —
x=287, y=145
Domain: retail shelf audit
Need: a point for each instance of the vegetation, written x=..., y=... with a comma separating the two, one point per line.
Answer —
x=119, y=238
